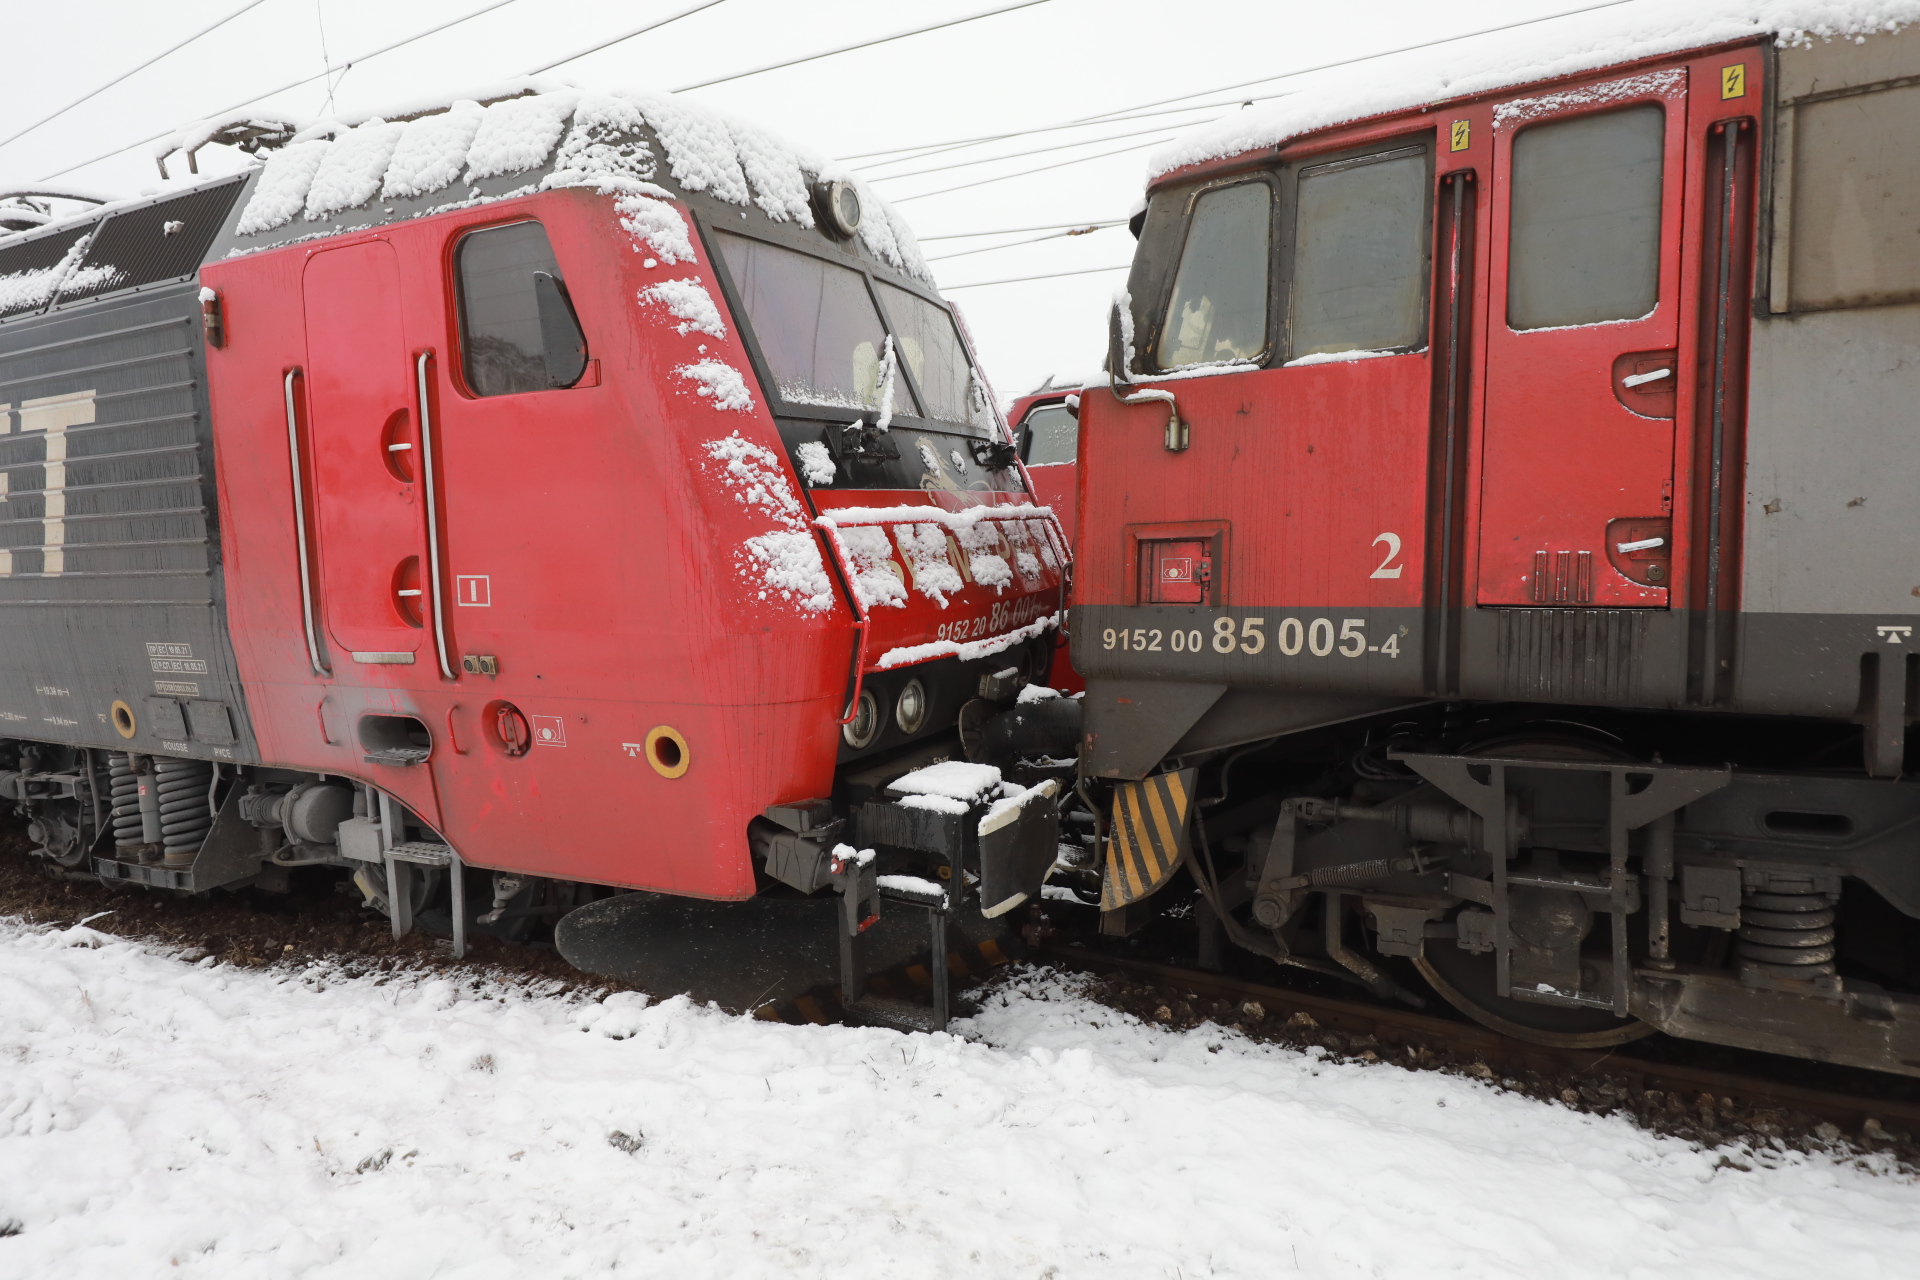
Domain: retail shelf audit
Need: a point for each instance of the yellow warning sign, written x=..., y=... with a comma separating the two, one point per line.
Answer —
x=1462, y=135
x=1733, y=81
x=1149, y=836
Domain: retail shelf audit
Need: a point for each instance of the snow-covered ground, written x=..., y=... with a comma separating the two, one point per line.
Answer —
x=162, y=1118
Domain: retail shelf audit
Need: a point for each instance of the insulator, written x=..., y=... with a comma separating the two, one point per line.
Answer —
x=1787, y=932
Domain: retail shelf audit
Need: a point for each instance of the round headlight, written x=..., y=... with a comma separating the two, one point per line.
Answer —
x=865, y=725
x=910, y=709
x=839, y=207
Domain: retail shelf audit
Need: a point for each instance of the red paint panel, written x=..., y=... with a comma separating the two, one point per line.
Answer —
x=1562, y=453
x=1309, y=465
x=359, y=399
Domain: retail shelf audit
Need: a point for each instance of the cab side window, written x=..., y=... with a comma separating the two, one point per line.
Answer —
x=1360, y=254
x=518, y=330
x=1584, y=245
x=1219, y=307
x=1049, y=436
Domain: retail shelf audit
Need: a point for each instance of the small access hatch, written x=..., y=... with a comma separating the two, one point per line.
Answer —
x=1176, y=571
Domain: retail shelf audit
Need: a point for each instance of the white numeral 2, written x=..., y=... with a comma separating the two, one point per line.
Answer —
x=1393, y=549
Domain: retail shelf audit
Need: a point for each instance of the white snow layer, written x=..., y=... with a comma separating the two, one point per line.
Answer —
x=785, y=561
x=590, y=137
x=1487, y=64
x=954, y=779
x=817, y=466
x=967, y=650
x=160, y=1118
x=689, y=303
x=721, y=382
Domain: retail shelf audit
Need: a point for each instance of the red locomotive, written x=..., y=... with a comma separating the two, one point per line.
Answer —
x=579, y=487
x=1500, y=533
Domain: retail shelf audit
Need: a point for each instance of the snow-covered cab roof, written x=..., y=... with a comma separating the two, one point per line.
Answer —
x=330, y=179
x=1496, y=62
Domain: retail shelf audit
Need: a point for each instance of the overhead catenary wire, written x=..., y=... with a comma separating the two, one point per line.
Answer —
x=1091, y=223
x=88, y=96
x=1014, y=244
x=655, y=25
x=1015, y=155
x=1109, y=117
x=295, y=84
x=1045, y=275
x=861, y=44
x=1021, y=173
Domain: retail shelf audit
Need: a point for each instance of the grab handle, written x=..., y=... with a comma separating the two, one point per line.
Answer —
x=320, y=668
x=433, y=518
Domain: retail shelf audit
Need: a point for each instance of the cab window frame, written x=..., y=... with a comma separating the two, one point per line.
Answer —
x=1146, y=337
x=908, y=400
x=456, y=278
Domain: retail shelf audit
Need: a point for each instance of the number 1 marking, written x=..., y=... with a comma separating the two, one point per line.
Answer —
x=1393, y=549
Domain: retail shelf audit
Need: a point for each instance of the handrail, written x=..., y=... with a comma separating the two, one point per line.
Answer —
x=300, y=530
x=433, y=518
x=843, y=567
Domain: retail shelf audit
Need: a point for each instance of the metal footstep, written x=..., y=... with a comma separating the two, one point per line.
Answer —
x=860, y=888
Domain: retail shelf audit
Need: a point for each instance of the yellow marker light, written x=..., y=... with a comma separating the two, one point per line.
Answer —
x=1462, y=135
x=1733, y=81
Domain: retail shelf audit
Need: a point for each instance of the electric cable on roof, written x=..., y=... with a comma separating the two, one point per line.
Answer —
x=94, y=93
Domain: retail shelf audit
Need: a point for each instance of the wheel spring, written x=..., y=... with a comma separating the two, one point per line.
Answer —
x=1786, y=931
x=185, y=814
x=124, y=786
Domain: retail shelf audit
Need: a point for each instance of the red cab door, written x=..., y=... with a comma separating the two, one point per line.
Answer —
x=1583, y=330
x=362, y=434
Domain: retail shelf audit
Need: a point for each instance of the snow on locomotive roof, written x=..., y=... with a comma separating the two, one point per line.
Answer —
x=580, y=138
x=1579, y=43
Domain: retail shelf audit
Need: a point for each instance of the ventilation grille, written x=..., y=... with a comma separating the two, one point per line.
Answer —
x=162, y=242
x=1572, y=655
x=30, y=271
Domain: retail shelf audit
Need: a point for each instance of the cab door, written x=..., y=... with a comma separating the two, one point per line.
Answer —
x=1582, y=355
x=372, y=535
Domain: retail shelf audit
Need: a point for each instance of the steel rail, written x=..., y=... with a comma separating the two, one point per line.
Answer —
x=1390, y=1024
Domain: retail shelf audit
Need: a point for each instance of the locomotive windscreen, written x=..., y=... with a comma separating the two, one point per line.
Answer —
x=816, y=324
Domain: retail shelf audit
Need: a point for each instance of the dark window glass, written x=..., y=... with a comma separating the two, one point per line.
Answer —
x=816, y=325
x=1219, y=306
x=518, y=331
x=1584, y=244
x=1360, y=254
x=931, y=348
x=1052, y=435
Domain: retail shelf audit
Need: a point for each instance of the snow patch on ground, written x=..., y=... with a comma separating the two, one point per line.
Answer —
x=163, y=1118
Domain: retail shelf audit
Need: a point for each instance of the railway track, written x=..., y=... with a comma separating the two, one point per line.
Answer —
x=1869, y=1116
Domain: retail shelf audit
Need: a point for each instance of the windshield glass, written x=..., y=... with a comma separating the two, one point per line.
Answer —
x=932, y=351
x=816, y=325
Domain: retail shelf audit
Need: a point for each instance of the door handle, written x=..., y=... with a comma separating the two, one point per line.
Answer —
x=433, y=517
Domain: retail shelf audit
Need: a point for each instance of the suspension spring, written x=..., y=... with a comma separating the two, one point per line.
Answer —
x=124, y=786
x=1786, y=932
x=185, y=815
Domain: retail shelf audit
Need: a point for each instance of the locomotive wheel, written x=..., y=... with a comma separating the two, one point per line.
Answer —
x=1466, y=981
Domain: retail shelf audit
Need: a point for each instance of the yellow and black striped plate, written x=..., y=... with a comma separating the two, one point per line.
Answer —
x=1148, y=836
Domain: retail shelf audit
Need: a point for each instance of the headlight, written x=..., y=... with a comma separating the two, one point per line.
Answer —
x=838, y=205
x=910, y=710
x=865, y=725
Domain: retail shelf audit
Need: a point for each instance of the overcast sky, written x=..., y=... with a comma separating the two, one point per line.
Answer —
x=1055, y=61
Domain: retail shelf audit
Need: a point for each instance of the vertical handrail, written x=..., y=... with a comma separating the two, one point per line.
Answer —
x=843, y=569
x=433, y=518
x=300, y=531
x=1723, y=304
